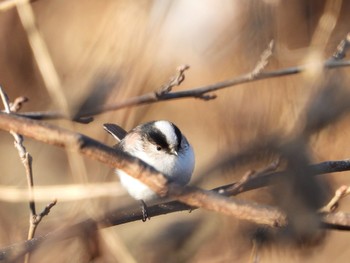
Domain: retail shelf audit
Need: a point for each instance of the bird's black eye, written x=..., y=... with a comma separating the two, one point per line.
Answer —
x=159, y=148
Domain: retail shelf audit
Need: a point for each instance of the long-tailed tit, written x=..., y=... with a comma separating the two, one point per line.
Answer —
x=159, y=144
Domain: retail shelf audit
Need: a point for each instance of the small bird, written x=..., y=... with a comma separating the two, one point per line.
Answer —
x=159, y=144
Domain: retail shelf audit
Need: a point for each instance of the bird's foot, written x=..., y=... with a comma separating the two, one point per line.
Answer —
x=144, y=211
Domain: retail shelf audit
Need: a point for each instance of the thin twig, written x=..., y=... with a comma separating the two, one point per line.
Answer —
x=199, y=92
x=342, y=48
x=26, y=159
x=174, y=81
x=18, y=103
x=5, y=100
x=37, y=218
x=264, y=60
x=23, y=154
x=246, y=180
x=333, y=204
x=27, y=162
x=270, y=178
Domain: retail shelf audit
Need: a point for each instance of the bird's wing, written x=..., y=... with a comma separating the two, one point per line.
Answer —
x=116, y=131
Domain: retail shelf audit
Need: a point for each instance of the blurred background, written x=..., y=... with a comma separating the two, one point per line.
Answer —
x=104, y=52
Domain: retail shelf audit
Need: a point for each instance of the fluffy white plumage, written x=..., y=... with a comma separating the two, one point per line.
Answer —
x=161, y=145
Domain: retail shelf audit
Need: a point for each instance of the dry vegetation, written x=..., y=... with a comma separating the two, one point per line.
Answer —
x=265, y=123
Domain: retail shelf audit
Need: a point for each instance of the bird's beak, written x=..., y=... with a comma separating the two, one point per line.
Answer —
x=174, y=152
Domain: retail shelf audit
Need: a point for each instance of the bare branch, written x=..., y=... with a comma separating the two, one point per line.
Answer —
x=264, y=60
x=199, y=92
x=5, y=100
x=27, y=162
x=189, y=195
x=23, y=154
x=338, y=221
x=140, y=170
x=342, y=48
x=36, y=219
x=334, y=202
x=18, y=103
x=244, y=183
x=269, y=178
x=174, y=81
x=45, y=211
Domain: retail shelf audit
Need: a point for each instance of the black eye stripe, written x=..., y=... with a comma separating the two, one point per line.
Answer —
x=158, y=138
x=155, y=136
x=178, y=134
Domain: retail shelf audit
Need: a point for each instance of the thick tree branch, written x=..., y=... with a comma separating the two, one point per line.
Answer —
x=155, y=180
x=193, y=197
x=335, y=221
x=127, y=214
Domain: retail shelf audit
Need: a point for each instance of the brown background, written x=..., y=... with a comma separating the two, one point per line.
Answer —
x=119, y=49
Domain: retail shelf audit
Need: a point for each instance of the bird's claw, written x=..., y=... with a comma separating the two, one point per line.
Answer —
x=144, y=211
